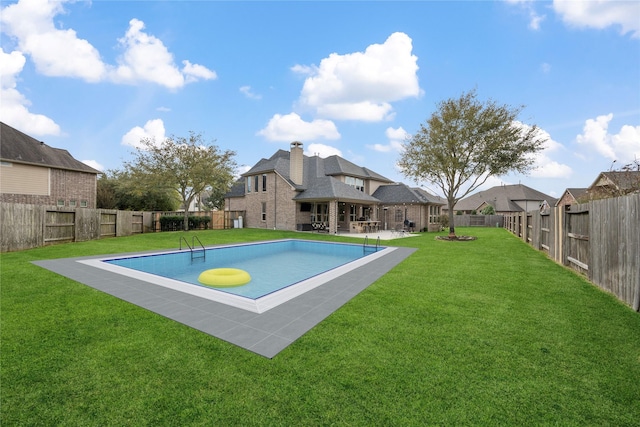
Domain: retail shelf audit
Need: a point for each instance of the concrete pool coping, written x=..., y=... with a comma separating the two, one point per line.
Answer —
x=265, y=334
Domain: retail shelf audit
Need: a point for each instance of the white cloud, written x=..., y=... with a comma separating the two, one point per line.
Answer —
x=322, y=150
x=534, y=18
x=55, y=52
x=543, y=164
x=14, y=109
x=360, y=85
x=146, y=58
x=194, y=72
x=601, y=14
x=396, y=139
x=61, y=53
x=623, y=146
x=291, y=127
x=246, y=90
x=94, y=164
x=153, y=129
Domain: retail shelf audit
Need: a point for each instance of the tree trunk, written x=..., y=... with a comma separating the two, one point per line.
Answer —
x=452, y=230
x=185, y=224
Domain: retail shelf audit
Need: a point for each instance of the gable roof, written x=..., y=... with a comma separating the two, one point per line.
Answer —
x=18, y=147
x=402, y=193
x=575, y=194
x=319, y=177
x=623, y=181
x=503, y=198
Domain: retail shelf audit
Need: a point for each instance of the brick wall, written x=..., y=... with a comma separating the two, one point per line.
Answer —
x=280, y=208
x=65, y=185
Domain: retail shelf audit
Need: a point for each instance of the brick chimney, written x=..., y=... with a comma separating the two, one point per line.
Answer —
x=295, y=163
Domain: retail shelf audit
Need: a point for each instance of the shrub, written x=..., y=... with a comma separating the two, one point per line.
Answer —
x=175, y=222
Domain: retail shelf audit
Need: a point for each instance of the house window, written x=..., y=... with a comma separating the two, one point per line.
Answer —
x=264, y=182
x=84, y=203
x=248, y=184
x=255, y=183
x=320, y=212
x=72, y=203
x=399, y=217
x=60, y=202
x=434, y=214
x=264, y=211
x=353, y=213
x=358, y=183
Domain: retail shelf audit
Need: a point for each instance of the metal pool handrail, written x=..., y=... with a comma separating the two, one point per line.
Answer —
x=192, y=247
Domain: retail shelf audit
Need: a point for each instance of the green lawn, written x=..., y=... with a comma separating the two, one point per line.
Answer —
x=488, y=332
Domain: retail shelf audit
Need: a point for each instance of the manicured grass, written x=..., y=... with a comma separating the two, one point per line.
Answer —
x=488, y=332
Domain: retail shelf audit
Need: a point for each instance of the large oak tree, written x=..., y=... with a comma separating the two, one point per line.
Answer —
x=186, y=165
x=464, y=142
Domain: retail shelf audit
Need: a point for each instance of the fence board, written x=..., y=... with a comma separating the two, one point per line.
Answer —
x=59, y=227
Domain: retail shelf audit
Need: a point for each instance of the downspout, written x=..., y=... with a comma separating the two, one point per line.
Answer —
x=275, y=198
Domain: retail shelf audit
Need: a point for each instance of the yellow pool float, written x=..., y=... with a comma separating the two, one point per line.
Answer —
x=224, y=277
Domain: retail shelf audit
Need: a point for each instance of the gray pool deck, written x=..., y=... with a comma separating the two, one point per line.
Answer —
x=265, y=334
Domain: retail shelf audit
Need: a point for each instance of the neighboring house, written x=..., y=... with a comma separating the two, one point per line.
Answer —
x=31, y=172
x=572, y=196
x=505, y=199
x=614, y=184
x=291, y=191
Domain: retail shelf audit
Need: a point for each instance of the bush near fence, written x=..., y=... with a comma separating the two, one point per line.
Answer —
x=176, y=223
x=599, y=239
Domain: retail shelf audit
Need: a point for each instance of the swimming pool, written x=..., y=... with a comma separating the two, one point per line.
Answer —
x=280, y=270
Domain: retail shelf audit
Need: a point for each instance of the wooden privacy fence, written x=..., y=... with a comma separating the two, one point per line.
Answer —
x=32, y=226
x=600, y=239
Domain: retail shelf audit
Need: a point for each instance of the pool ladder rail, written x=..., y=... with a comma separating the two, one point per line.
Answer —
x=366, y=246
x=192, y=247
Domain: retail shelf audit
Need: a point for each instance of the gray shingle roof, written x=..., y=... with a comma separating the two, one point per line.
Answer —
x=503, y=198
x=401, y=193
x=330, y=188
x=622, y=180
x=318, y=181
x=18, y=147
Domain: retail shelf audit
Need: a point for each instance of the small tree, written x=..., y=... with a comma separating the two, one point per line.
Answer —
x=185, y=165
x=488, y=210
x=464, y=142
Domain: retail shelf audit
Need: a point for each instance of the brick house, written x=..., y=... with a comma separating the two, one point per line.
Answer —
x=571, y=196
x=292, y=191
x=31, y=172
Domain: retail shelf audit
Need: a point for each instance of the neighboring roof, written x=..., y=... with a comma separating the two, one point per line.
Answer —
x=401, y=193
x=575, y=193
x=18, y=147
x=503, y=198
x=621, y=180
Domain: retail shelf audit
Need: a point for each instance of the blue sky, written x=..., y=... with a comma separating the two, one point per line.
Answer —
x=348, y=78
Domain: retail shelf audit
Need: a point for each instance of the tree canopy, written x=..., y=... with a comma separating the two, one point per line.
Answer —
x=464, y=142
x=118, y=190
x=185, y=164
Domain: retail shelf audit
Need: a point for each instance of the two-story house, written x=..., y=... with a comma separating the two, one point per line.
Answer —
x=292, y=191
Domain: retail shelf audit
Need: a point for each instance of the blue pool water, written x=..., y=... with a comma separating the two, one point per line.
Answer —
x=272, y=265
